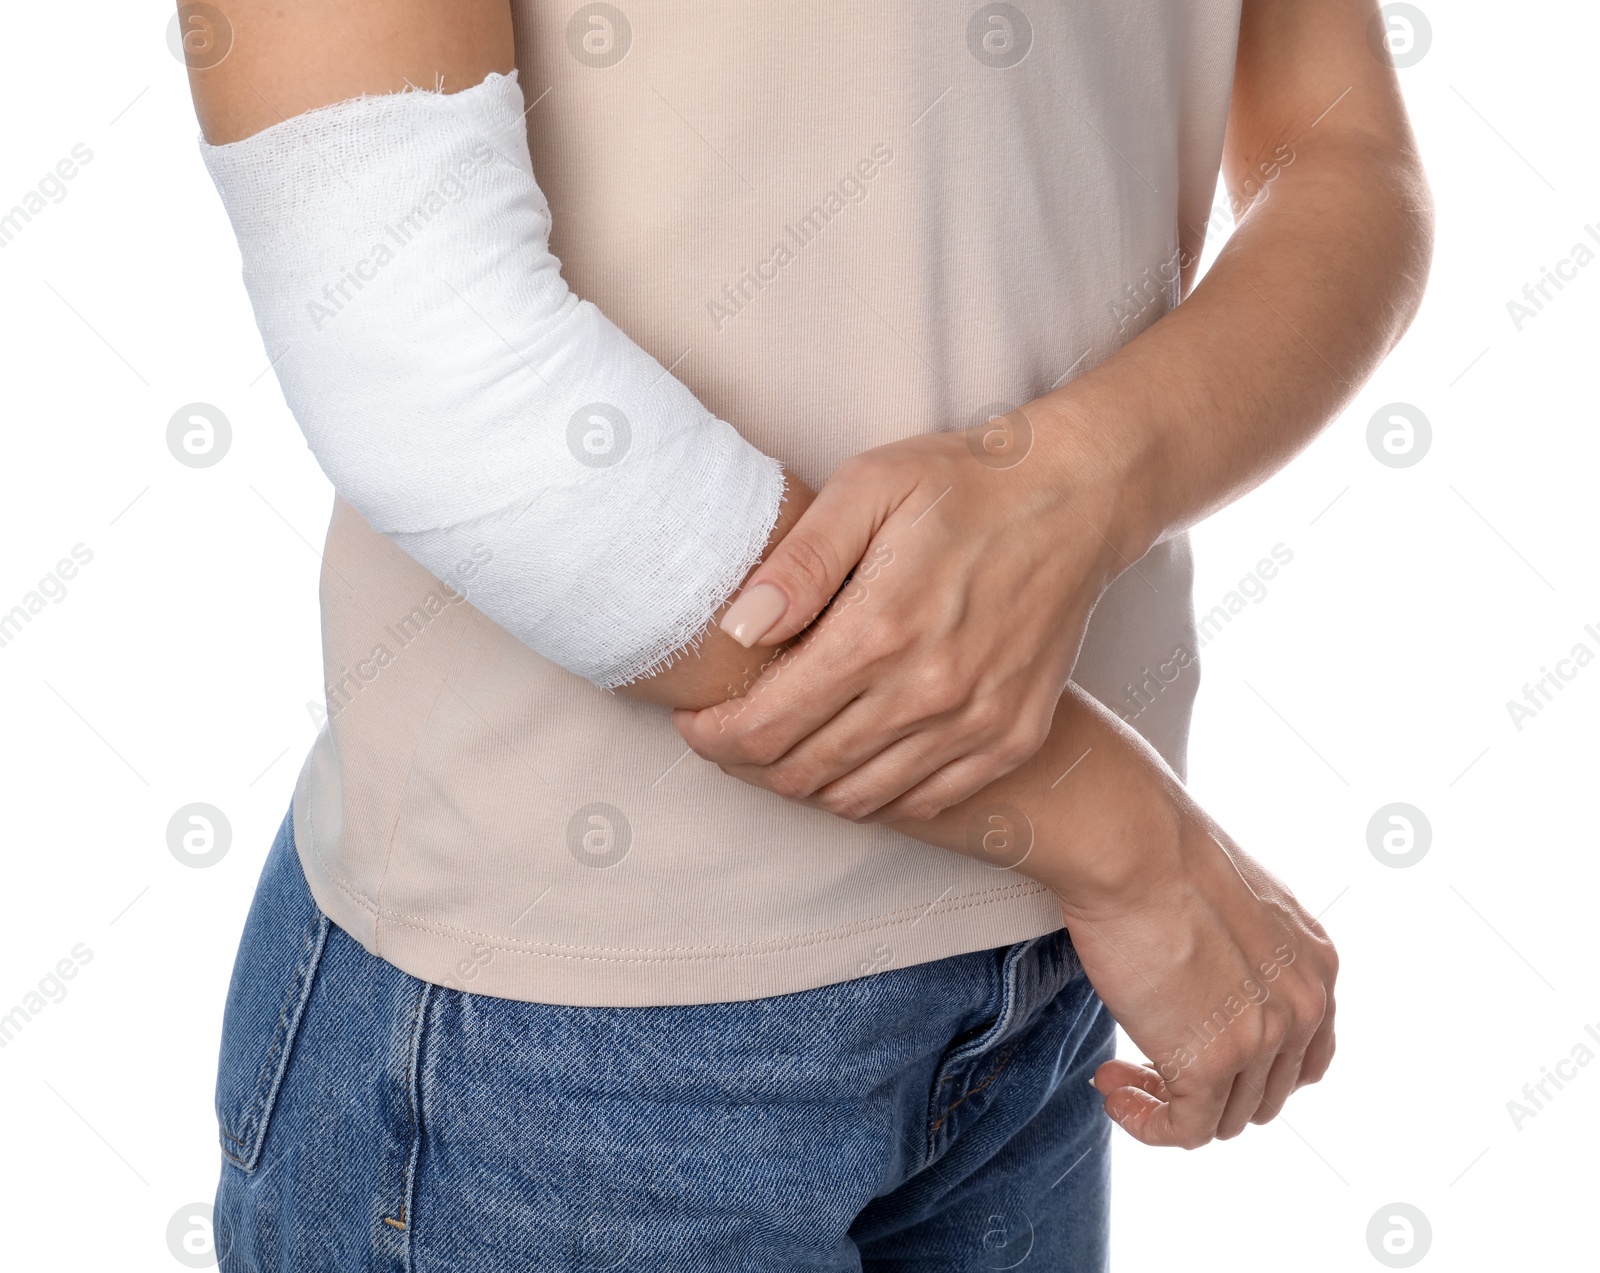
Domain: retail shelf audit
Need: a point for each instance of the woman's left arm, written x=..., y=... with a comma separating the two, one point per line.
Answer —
x=978, y=621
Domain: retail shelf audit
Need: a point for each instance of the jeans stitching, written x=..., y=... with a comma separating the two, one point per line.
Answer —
x=277, y=1040
x=265, y=1090
x=950, y=1067
x=987, y=1079
x=1005, y=1020
x=405, y=1220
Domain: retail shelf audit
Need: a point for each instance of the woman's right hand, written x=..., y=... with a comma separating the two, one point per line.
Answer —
x=1223, y=980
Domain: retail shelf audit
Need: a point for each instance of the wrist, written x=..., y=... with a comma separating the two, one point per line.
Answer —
x=1110, y=821
x=1127, y=848
x=1105, y=455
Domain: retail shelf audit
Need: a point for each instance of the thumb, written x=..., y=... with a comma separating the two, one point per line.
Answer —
x=808, y=565
x=1137, y=1112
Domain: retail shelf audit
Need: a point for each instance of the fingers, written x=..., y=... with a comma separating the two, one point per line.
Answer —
x=1186, y=1119
x=849, y=755
x=760, y=727
x=861, y=766
x=949, y=785
x=845, y=778
x=1117, y=1073
x=881, y=760
x=861, y=794
x=1133, y=1093
x=1281, y=1081
x=1140, y=1102
x=1135, y=1111
x=1178, y=1123
x=1249, y=1087
x=856, y=763
x=917, y=776
x=790, y=588
x=1319, y=1054
x=1293, y=1072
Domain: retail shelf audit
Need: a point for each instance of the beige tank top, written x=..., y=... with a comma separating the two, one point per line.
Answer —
x=839, y=225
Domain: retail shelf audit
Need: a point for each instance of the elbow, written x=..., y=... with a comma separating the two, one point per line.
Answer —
x=1411, y=233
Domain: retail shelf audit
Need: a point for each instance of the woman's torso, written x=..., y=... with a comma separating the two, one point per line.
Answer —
x=839, y=226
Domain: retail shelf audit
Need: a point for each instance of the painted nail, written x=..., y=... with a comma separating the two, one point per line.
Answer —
x=751, y=617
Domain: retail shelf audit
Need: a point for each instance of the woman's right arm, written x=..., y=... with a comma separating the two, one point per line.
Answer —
x=457, y=394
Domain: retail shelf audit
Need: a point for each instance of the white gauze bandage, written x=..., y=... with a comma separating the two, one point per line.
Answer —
x=465, y=402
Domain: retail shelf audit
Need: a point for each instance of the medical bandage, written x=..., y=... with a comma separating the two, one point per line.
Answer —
x=465, y=402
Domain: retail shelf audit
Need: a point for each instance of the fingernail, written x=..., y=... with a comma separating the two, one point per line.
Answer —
x=751, y=617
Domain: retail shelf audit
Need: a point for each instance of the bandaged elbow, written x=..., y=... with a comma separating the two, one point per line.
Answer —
x=465, y=402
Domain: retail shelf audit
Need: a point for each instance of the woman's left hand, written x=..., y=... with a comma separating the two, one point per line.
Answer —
x=978, y=556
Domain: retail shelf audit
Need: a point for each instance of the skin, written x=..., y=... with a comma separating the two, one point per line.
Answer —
x=1174, y=923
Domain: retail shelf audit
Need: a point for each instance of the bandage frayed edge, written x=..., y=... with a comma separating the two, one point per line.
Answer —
x=680, y=650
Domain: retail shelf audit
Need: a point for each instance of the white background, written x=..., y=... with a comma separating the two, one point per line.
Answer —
x=1376, y=669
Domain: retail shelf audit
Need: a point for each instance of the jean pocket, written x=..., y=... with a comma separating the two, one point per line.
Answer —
x=1028, y=976
x=282, y=944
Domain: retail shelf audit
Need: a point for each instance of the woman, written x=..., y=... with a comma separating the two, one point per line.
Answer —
x=528, y=985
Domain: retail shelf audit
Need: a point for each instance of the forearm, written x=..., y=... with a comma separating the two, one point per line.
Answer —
x=1319, y=281
x=1307, y=298
x=1096, y=811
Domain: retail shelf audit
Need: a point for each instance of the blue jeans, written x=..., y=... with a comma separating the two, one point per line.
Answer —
x=937, y=1117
